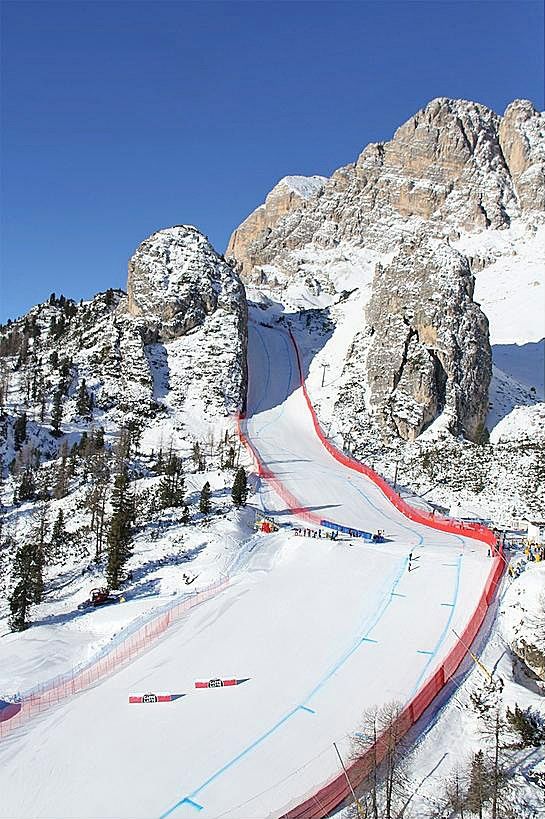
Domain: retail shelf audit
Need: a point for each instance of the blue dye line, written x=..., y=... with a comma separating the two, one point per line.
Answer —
x=444, y=632
x=231, y=762
x=193, y=804
x=384, y=515
x=422, y=651
x=448, y=604
x=378, y=617
x=397, y=594
x=368, y=640
x=306, y=708
x=295, y=710
x=288, y=383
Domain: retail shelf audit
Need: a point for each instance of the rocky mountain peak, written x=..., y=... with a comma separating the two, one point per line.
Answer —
x=176, y=279
x=455, y=166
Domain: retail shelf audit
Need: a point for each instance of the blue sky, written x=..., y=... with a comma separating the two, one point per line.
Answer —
x=121, y=118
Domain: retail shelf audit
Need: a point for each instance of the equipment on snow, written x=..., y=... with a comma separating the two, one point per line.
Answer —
x=99, y=597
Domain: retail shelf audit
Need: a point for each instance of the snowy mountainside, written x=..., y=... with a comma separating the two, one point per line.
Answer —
x=455, y=176
x=88, y=387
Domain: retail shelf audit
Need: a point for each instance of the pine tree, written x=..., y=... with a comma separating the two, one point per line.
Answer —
x=98, y=437
x=83, y=444
x=56, y=413
x=28, y=589
x=60, y=487
x=82, y=401
x=239, y=492
x=159, y=465
x=204, y=502
x=120, y=535
x=95, y=500
x=527, y=724
x=19, y=431
x=230, y=460
x=479, y=790
x=121, y=450
x=134, y=431
x=186, y=517
x=196, y=454
x=59, y=535
x=27, y=487
x=171, y=487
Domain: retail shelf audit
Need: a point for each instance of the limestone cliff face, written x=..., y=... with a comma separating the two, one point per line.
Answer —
x=455, y=165
x=290, y=193
x=522, y=140
x=429, y=351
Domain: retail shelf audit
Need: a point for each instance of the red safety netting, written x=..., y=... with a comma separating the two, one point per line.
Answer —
x=330, y=796
x=125, y=649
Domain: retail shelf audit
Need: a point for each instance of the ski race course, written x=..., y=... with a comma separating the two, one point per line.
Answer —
x=315, y=631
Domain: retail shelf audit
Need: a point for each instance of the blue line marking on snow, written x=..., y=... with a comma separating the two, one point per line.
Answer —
x=443, y=633
x=282, y=405
x=268, y=378
x=368, y=640
x=448, y=604
x=231, y=762
x=376, y=508
x=306, y=708
x=454, y=565
x=298, y=708
x=193, y=804
x=378, y=617
x=422, y=651
x=397, y=594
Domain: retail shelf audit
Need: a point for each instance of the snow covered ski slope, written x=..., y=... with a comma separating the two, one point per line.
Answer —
x=319, y=631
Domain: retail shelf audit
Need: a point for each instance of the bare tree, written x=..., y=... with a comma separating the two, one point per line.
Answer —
x=386, y=787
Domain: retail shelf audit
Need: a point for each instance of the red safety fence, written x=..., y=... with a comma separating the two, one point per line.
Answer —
x=128, y=646
x=290, y=500
x=320, y=803
x=473, y=530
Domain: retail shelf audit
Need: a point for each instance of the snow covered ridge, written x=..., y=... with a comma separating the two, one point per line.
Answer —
x=303, y=186
x=76, y=379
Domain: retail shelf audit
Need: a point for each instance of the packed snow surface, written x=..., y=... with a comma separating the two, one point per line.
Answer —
x=316, y=630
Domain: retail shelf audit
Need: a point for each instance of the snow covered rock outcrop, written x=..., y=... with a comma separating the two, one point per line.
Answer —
x=429, y=351
x=176, y=279
x=169, y=360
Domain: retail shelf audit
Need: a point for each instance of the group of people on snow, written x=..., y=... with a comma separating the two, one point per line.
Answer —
x=316, y=533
